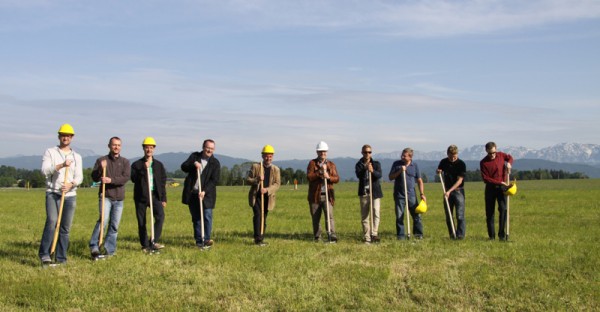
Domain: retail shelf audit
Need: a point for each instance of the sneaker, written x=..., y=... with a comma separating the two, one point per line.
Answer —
x=208, y=243
x=157, y=246
x=333, y=238
x=95, y=253
x=46, y=261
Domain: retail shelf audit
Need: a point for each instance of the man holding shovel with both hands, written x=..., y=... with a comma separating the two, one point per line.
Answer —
x=113, y=172
x=150, y=179
x=265, y=179
x=322, y=174
x=200, y=193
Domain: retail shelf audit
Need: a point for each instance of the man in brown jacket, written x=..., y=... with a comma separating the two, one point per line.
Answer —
x=264, y=183
x=322, y=174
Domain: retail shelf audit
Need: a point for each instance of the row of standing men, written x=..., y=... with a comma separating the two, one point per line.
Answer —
x=63, y=170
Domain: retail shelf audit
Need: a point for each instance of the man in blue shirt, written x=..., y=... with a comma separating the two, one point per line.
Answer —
x=413, y=174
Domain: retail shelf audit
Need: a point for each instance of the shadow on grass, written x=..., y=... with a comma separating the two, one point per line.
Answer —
x=22, y=252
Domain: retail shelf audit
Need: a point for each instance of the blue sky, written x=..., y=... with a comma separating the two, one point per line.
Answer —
x=393, y=74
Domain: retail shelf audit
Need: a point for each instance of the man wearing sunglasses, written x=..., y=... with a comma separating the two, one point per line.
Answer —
x=494, y=169
x=367, y=192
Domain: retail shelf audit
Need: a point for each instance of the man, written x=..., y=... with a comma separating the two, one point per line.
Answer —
x=413, y=174
x=204, y=190
x=143, y=170
x=62, y=167
x=365, y=166
x=494, y=169
x=453, y=171
x=117, y=174
x=264, y=183
x=318, y=171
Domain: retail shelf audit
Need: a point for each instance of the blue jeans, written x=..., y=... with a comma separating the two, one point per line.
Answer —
x=194, y=206
x=457, y=202
x=412, y=205
x=112, y=217
x=62, y=244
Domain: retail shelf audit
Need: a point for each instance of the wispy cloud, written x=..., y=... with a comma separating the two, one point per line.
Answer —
x=391, y=18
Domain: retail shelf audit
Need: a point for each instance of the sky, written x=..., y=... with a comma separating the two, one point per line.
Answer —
x=392, y=74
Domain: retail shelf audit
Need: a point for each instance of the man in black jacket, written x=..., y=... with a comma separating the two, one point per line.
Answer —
x=204, y=190
x=140, y=171
x=363, y=167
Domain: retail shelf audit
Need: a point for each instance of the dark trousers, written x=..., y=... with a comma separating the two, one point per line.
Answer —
x=159, y=219
x=493, y=194
x=256, y=218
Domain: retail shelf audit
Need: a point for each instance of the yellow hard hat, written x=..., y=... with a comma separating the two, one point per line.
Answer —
x=149, y=141
x=512, y=189
x=66, y=129
x=422, y=207
x=268, y=149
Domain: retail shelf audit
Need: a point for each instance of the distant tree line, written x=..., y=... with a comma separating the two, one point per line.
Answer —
x=237, y=175
x=11, y=177
x=538, y=174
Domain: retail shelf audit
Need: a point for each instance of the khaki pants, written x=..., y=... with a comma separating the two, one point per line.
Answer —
x=364, y=212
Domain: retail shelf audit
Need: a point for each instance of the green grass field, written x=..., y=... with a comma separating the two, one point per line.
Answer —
x=550, y=263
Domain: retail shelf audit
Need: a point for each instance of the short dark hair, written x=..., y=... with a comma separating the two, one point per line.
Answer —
x=489, y=145
x=207, y=140
x=408, y=150
x=114, y=138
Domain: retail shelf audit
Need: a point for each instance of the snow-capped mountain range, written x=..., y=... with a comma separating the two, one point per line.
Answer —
x=563, y=153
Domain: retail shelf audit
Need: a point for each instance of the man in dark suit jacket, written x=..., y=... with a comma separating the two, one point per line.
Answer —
x=140, y=170
x=204, y=190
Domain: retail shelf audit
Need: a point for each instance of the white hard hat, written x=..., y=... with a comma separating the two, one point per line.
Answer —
x=322, y=146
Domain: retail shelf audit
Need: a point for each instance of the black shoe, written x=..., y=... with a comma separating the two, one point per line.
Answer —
x=317, y=239
x=333, y=238
x=375, y=239
x=95, y=253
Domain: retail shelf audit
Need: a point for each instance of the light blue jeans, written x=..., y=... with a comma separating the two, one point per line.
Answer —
x=112, y=217
x=62, y=244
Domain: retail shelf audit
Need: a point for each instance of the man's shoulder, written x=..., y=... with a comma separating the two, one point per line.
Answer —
x=214, y=160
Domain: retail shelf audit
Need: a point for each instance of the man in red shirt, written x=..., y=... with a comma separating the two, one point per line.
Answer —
x=494, y=169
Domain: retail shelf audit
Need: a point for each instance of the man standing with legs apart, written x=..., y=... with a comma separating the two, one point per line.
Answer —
x=453, y=171
x=322, y=174
x=413, y=174
x=150, y=180
x=63, y=170
x=370, y=199
x=204, y=190
x=264, y=183
x=494, y=169
x=117, y=171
